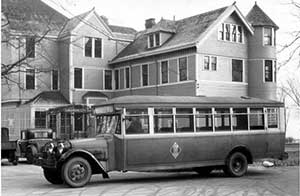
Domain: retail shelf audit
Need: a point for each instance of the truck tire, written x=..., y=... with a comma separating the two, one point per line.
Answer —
x=76, y=172
x=53, y=176
x=236, y=165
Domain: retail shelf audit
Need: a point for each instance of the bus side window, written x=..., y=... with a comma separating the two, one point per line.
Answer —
x=184, y=120
x=272, y=117
x=240, y=119
x=222, y=119
x=136, y=121
x=204, y=120
x=163, y=121
x=257, y=118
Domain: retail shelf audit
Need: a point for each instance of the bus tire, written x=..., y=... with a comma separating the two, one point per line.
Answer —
x=53, y=176
x=76, y=172
x=236, y=165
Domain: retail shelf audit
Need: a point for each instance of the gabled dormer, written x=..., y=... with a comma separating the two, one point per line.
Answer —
x=158, y=34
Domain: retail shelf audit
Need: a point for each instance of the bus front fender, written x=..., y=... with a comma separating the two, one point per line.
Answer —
x=96, y=165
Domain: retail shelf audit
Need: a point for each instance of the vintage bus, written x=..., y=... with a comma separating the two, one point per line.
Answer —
x=146, y=133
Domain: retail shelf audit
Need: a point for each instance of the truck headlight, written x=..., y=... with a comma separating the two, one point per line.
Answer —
x=60, y=147
x=50, y=147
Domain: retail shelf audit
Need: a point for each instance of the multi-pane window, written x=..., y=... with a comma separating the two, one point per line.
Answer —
x=184, y=120
x=98, y=47
x=164, y=72
x=127, y=77
x=268, y=71
x=40, y=119
x=88, y=46
x=227, y=32
x=163, y=121
x=240, y=119
x=237, y=70
x=204, y=120
x=77, y=78
x=65, y=123
x=268, y=36
x=117, y=79
x=157, y=39
x=257, y=118
x=52, y=123
x=210, y=63
x=183, y=69
x=30, y=47
x=30, y=79
x=153, y=40
x=108, y=79
x=137, y=121
x=54, y=79
x=240, y=34
x=230, y=32
x=222, y=119
x=234, y=33
x=221, y=32
x=213, y=63
x=93, y=47
x=144, y=75
x=272, y=117
x=206, y=63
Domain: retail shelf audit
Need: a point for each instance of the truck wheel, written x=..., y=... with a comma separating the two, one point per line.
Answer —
x=53, y=176
x=76, y=172
x=236, y=165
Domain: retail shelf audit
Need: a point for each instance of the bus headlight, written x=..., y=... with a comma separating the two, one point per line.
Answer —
x=60, y=147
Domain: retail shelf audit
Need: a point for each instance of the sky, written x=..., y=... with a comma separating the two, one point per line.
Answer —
x=133, y=13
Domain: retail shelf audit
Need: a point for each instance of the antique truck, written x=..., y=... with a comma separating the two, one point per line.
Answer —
x=9, y=149
x=32, y=140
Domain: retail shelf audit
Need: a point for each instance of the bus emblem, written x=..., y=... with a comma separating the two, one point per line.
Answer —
x=175, y=150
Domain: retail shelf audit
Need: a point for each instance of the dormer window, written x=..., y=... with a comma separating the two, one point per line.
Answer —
x=153, y=40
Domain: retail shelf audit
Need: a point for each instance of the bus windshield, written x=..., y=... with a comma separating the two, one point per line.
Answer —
x=108, y=124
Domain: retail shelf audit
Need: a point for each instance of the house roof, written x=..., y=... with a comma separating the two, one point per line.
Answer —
x=171, y=101
x=188, y=30
x=49, y=98
x=32, y=17
x=257, y=17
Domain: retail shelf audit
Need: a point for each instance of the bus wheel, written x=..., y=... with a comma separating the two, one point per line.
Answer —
x=236, y=165
x=204, y=171
x=76, y=172
x=53, y=176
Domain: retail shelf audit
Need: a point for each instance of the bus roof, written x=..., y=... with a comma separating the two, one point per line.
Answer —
x=188, y=101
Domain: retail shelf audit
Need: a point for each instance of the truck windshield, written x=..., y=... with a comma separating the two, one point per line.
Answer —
x=108, y=124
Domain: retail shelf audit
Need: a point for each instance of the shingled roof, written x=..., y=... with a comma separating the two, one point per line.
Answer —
x=32, y=16
x=49, y=97
x=257, y=17
x=187, y=31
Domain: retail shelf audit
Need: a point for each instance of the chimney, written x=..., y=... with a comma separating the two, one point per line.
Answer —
x=105, y=19
x=149, y=23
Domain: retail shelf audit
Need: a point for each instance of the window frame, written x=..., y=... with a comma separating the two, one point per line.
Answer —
x=52, y=80
x=129, y=77
x=239, y=35
x=167, y=72
x=30, y=46
x=142, y=74
x=27, y=73
x=270, y=38
x=117, y=83
x=82, y=77
x=186, y=68
x=93, y=47
x=243, y=69
x=111, y=81
x=273, y=72
x=210, y=64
